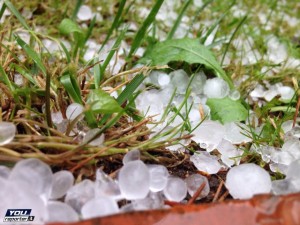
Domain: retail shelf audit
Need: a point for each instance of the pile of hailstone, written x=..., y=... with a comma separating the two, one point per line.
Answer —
x=54, y=197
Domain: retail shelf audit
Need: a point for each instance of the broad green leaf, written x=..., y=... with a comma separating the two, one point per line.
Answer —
x=227, y=110
x=102, y=102
x=185, y=49
x=68, y=27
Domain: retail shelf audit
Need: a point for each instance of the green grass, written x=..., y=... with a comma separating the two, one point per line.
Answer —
x=53, y=82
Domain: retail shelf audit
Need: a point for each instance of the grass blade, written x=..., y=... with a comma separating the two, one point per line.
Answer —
x=72, y=88
x=76, y=9
x=143, y=30
x=2, y=10
x=178, y=20
x=17, y=14
x=115, y=23
x=32, y=54
x=112, y=52
x=232, y=37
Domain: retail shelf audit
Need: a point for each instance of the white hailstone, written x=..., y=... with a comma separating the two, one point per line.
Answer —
x=293, y=173
x=18, y=79
x=286, y=92
x=73, y=111
x=152, y=201
x=246, y=180
x=237, y=133
x=106, y=186
x=230, y=155
x=234, y=95
x=62, y=182
x=180, y=80
x=57, y=117
x=175, y=189
x=194, y=182
x=61, y=212
x=4, y=172
x=134, y=180
x=209, y=134
x=258, y=91
x=271, y=93
x=79, y=194
x=34, y=175
x=7, y=132
x=216, y=88
x=163, y=79
x=101, y=206
x=282, y=187
x=131, y=156
x=84, y=13
x=91, y=133
x=287, y=126
x=278, y=168
x=205, y=162
x=158, y=177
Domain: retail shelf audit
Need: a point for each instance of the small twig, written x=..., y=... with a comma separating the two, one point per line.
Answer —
x=297, y=111
x=197, y=193
x=221, y=199
x=218, y=191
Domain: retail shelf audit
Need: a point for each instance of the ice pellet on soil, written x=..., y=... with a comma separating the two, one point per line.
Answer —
x=158, y=177
x=278, y=167
x=106, y=186
x=179, y=79
x=73, y=111
x=230, y=155
x=34, y=175
x=209, y=134
x=286, y=92
x=134, y=180
x=234, y=95
x=84, y=13
x=282, y=187
x=4, y=172
x=79, y=194
x=101, y=206
x=57, y=117
x=61, y=212
x=7, y=132
x=293, y=173
x=175, y=190
x=198, y=82
x=206, y=162
x=131, y=156
x=62, y=181
x=216, y=88
x=163, y=79
x=152, y=201
x=237, y=133
x=90, y=134
x=246, y=180
x=194, y=182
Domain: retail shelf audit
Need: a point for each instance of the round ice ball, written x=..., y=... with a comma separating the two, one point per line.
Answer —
x=101, y=206
x=134, y=180
x=175, y=189
x=158, y=177
x=7, y=132
x=84, y=13
x=216, y=88
x=73, y=111
x=194, y=182
x=61, y=212
x=62, y=182
x=246, y=180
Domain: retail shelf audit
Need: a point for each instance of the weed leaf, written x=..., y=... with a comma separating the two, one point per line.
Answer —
x=102, y=102
x=185, y=49
x=227, y=110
